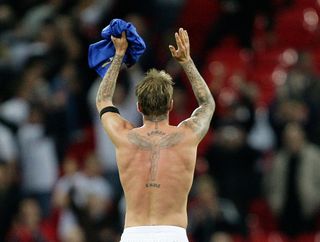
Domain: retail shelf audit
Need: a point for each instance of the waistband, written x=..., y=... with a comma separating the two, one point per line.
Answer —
x=154, y=229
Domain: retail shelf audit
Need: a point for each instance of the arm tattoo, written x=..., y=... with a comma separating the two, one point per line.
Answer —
x=199, y=86
x=108, y=84
x=200, y=120
x=201, y=117
x=154, y=142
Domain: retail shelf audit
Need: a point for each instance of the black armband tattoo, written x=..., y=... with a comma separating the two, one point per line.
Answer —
x=109, y=109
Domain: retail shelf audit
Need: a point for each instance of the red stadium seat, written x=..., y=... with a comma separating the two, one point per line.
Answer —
x=297, y=27
x=233, y=60
x=262, y=216
x=306, y=238
x=316, y=58
x=305, y=4
x=266, y=79
x=268, y=237
x=282, y=56
x=198, y=17
x=270, y=69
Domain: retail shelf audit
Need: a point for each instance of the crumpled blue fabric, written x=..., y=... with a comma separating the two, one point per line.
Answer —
x=101, y=53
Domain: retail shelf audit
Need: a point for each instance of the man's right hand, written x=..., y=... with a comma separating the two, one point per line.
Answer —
x=182, y=54
x=120, y=44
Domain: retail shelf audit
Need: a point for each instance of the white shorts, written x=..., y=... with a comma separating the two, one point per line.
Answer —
x=158, y=233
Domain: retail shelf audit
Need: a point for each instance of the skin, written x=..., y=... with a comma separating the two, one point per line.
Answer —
x=156, y=161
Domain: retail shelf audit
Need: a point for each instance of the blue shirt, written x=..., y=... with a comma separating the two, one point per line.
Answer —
x=101, y=53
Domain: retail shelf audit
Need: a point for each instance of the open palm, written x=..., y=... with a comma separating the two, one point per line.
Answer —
x=182, y=53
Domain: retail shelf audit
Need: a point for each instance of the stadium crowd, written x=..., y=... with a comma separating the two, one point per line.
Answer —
x=257, y=174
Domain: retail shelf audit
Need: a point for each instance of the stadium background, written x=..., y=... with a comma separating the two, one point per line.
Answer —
x=257, y=174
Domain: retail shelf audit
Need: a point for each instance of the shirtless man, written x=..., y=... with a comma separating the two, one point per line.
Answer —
x=156, y=161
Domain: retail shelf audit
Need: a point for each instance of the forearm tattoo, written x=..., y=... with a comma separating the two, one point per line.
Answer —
x=108, y=83
x=199, y=86
x=154, y=142
x=201, y=117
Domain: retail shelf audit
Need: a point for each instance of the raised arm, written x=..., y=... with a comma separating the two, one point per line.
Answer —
x=108, y=83
x=112, y=121
x=200, y=119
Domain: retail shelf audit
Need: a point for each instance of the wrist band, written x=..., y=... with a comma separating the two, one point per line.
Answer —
x=111, y=109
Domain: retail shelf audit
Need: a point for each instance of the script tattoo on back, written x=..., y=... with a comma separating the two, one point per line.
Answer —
x=154, y=141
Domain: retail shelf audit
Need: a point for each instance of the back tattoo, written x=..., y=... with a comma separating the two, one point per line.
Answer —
x=154, y=141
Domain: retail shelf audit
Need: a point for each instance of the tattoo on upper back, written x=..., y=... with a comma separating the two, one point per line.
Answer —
x=154, y=142
x=108, y=83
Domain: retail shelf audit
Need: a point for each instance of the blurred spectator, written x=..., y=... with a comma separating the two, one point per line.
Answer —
x=39, y=163
x=211, y=214
x=286, y=111
x=261, y=136
x=15, y=110
x=293, y=182
x=69, y=168
x=125, y=101
x=221, y=237
x=302, y=85
x=237, y=17
x=9, y=197
x=147, y=60
x=37, y=15
x=235, y=97
x=91, y=13
x=234, y=165
x=44, y=110
x=6, y=17
x=8, y=147
x=166, y=13
x=180, y=110
x=85, y=199
x=301, y=79
x=9, y=190
x=63, y=112
x=69, y=38
x=74, y=235
x=27, y=227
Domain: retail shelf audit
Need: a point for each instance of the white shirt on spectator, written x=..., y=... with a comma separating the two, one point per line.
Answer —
x=84, y=186
x=15, y=110
x=39, y=162
x=8, y=146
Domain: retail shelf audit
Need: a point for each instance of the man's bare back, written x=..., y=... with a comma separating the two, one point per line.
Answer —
x=156, y=161
x=156, y=166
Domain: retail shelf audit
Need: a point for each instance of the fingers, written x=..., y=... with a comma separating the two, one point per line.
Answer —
x=182, y=38
x=178, y=40
x=185, y=36
x=173, y=50
x=123, y=35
